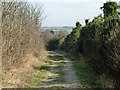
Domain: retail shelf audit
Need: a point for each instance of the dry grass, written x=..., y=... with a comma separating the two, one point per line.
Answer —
x=22, y=43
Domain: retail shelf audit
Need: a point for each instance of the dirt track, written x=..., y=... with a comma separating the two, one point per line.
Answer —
x=71, y=80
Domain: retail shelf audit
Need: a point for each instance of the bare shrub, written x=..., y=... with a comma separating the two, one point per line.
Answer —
x=22, y=44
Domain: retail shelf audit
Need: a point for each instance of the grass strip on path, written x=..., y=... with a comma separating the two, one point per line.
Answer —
x=48, y=74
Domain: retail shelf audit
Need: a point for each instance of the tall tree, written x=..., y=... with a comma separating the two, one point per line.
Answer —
x=110, y=9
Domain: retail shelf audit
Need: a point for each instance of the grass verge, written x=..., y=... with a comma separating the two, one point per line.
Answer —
x=39, y=74
x=87, y=76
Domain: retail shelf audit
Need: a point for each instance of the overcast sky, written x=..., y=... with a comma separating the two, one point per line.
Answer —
x=67, y=12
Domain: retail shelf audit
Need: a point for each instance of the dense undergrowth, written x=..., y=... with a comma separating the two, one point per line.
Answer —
x=99, y=42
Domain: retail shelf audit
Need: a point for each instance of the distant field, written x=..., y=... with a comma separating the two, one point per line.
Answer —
x=57, y=28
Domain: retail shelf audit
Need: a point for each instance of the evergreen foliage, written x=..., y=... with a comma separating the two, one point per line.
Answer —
x=110, y=9
x=70, y=42
x=99, y=40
